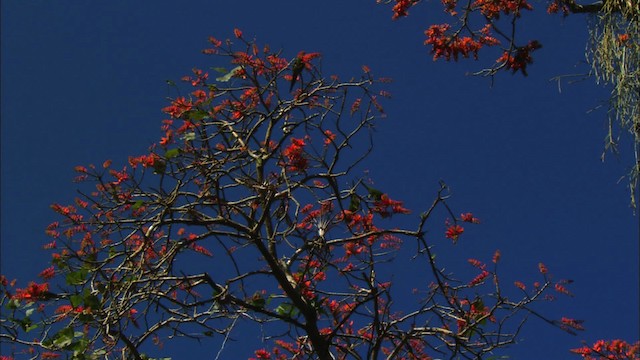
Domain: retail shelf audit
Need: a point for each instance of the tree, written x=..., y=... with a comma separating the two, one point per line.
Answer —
x=253, y=210
x=613, y=51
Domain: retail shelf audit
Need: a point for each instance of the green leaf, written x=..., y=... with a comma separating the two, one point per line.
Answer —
x=88, y=262
x=354, y=204
x=85, y=317
x=172, y=153
x=29, y=312
x=229, y=75
x=76, y=277
x=286, y=309
x=63, y=338
x=221, y=70
x=375, y=194
x=137, y=205
x=76, y=300
x=13, y=304
x=159, y=166
x=24, y=323
x=258, y=302
x=198, y=115
x=91, y=301
x=79, y=347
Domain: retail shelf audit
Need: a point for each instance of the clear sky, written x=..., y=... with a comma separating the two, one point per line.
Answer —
x=85, y=81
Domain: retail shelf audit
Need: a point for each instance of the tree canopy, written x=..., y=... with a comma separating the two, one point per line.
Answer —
x=255, y=213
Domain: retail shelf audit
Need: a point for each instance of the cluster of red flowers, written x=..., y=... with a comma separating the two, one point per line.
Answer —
x=451, y=46
x=492, y=8
x=401, y=8
x=144, y=160
x=443, y=45
x=47, y=273
x=453, y=232
x=566, y=322
x=623, y=39
x=468, y=217
x=200, y=77
x=520, y=58
x=355, y=106
x=295, y=160
x=306, y=58
x=385, y=207
x=32, y=292
x=557, y=5
x=477, y=310
x=610, y=350
x=329, y=137
x=120, y=176
x=198, y=248
x=480, y=278
x=178, y=107
x=261, y=354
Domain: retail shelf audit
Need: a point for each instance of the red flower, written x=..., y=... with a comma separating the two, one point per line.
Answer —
x=63, y=309
x=623, y=39
x=496, y=257
x=468, y=217
x=571, y=323
x=476, y=263
x=329, y=137
x=519, y=60
x=215, y=42
x=356, y=105
x=145, y=160
x=33, y=292
x=80, y=169
x=294, y=153
x=519, y=285
x=386, y=207
x=49, y=355
x=178, y=107
x=47, y=273
x=563, y=290
x=543, y=268
x=453, y=232
x=480, y=278
x=401, y=8
x=307, y=57
x=262, y=354
x=492, y=8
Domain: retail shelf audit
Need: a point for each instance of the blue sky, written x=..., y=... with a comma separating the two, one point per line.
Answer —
x=83, y=82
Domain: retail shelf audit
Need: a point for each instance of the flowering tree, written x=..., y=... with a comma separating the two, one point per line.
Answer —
x=251, y=211
x=613, y=50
